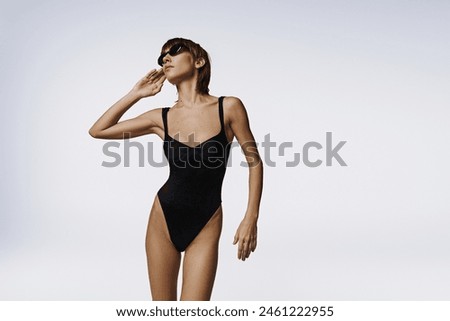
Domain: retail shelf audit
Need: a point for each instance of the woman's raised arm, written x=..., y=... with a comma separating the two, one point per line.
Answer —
x=108, y=125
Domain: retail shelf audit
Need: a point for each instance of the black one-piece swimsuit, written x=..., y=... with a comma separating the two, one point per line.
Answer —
x=192, y=193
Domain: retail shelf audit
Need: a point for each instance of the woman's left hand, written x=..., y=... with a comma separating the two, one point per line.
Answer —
x=246, y=235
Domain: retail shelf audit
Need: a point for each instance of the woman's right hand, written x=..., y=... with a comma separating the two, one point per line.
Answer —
x=150, y=84
x=108, y=125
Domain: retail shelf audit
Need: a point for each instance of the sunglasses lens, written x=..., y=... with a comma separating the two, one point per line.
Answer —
x=160, y=59
x=173, y=51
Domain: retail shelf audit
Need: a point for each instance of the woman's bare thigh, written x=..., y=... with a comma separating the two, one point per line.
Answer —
x=163, y=260
x=200, y=261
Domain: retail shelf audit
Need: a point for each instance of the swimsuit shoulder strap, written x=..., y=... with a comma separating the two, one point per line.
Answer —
x=164, y=117
x=221, y=112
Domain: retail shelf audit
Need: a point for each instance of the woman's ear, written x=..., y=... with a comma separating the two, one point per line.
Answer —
x=200, y=63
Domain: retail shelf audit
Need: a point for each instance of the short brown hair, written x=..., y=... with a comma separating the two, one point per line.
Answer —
x=204, y=72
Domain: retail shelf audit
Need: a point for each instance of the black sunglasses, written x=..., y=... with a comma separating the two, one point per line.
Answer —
x=173, y=51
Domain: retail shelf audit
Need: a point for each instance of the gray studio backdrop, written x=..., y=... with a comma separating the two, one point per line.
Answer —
x=374, y=75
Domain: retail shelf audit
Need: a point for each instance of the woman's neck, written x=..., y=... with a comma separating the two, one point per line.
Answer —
x=188, y=96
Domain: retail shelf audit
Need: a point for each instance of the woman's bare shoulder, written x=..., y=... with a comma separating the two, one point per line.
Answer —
x=153, y=118
x=232, y=102
x=234, y=107
x=154, y=114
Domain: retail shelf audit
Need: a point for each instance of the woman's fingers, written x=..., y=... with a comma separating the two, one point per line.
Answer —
x=254, y=243
x=246, y=251
x=251, y=242
x=161, y=79
x=157, y=78
x=243, y=250
x=151, y=83
x=153, y=75
x=150, y=73
x=247, y=240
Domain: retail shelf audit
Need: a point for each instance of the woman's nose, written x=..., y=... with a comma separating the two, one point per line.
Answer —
x=167, y=58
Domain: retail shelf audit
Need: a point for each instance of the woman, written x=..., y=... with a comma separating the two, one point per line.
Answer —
x=197, y=131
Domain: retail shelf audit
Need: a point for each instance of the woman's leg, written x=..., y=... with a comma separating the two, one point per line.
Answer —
x=200, y=261
x=163, y=260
